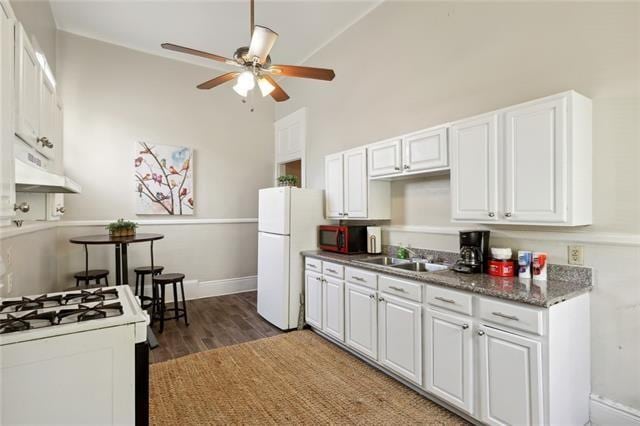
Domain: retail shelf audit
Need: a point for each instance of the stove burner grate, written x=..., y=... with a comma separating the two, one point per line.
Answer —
x=14, y=323
x=86, y=313
x=85, y=296
x=28, y=303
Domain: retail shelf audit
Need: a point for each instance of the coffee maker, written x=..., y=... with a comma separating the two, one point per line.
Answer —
x=474, y=252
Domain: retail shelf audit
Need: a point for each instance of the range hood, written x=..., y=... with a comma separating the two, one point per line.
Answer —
x=33, y=179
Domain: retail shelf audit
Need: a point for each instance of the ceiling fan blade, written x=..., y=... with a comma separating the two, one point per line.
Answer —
x=182, y=49
x=278, y=94
x=304, y=72
x=218, y=80
x=262, y=41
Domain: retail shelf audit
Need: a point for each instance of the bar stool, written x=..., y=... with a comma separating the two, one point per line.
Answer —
x=93, y=274
x=159, y=308
x=141, y=272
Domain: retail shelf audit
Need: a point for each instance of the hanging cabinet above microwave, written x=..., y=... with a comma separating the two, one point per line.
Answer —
x=425, y=151
x=528, y=164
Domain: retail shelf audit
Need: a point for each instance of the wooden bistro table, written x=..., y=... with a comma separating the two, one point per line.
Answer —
x=121, y=244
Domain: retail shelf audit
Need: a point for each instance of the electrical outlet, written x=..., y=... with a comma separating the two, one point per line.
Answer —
x=576, y=255
x=9, y=282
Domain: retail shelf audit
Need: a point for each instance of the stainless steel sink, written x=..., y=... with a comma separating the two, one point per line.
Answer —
x=385, y=261
x=420, y=267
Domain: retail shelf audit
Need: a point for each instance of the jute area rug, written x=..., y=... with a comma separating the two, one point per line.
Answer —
x=292, y=378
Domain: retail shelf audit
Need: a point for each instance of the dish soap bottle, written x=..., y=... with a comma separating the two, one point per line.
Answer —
x=402, y=253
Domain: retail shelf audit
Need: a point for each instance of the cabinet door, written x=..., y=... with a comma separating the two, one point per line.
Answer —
x=474, y=177
x=313, y=299
x=426, y=150
x=400, y=332
x=510, y=378
x=290, y=136
x=28, y=93
x=535, y=154
x=449, y=358
x=385, y=158
x=334, y=185
x=333, y=308
x=361, y=320
x=355, y=183
x=58, y=142
x=7, y=172
x=48, y=115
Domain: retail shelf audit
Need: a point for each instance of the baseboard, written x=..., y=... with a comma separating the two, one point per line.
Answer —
x=610, y=413
x=194, y=289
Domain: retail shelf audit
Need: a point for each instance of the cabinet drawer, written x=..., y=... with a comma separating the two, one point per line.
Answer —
x=512, y=316
x=407, y=289
x=333, y=269
x=311, y=264
x=358, y=276
x=449, y=299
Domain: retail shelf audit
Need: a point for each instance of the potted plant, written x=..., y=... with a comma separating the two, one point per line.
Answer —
x=122, y=228
x=287, y=180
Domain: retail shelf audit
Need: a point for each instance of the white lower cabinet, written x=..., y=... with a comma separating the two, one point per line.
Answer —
x=510, y=378
x=449, y=358
x=333, y=307
x=400, y=334
x=313, y=299
x=361, y=319
x=500, y=362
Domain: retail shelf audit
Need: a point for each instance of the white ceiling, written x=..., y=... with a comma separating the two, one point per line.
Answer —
x=214, y=26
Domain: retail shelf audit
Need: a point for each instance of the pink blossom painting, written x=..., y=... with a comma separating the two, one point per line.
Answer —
x=163, y=179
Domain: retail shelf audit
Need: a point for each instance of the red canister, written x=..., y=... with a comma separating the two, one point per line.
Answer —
x=501, y=268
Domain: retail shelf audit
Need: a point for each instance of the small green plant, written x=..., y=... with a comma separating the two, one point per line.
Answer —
x=287, y=180
x=122, y=228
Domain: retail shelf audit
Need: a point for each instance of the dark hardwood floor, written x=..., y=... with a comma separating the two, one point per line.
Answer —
x=213, y=322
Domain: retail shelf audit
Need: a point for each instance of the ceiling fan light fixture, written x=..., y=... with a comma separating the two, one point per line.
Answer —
x=265, y=86
x=240, y=91
x=246, y=82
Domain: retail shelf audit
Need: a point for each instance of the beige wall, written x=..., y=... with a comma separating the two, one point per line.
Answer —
x=411, y=65
x=38, y=21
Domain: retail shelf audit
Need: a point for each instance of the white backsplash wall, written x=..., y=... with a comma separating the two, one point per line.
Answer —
x=443, y=61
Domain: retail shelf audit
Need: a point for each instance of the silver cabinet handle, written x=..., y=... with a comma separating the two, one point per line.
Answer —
x=23, y=207
x=60, y=209
x=345, y=214
x=407, y=167
x=45, y=142
x=358, y=278
x=397, y=289
x=509, y=317
x=480, y=333
x=318, y=279
x=332, y=271
x=380, y=299
x=396, y=169
x=340, y=214
x=491, y=214
x=309, y=265
x=372, y=296
x=507, y=214
x=442, y=299
x=465, y=326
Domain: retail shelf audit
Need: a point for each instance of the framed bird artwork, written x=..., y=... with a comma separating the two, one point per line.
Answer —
x=163, y=179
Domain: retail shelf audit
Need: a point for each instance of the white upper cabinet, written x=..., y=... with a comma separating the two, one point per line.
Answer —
x=535, y=149
x=7, y=171
x=426, y=150
x=355, y=183
x=385, y=158
x=415, y=153
x=334, y=185
x=46, y=141
x=528, y=164
x=474, y=178
x=348, y=192
x=28, y=89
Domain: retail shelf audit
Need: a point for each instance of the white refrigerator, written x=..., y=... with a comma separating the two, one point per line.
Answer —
x=288, y=220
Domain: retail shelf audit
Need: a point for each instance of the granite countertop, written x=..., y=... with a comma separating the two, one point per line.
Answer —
x=537, y=293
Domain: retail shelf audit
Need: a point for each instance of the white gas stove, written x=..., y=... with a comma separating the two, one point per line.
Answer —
x=75, y=357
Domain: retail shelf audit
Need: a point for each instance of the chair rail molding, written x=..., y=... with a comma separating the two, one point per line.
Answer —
x=594, y=238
